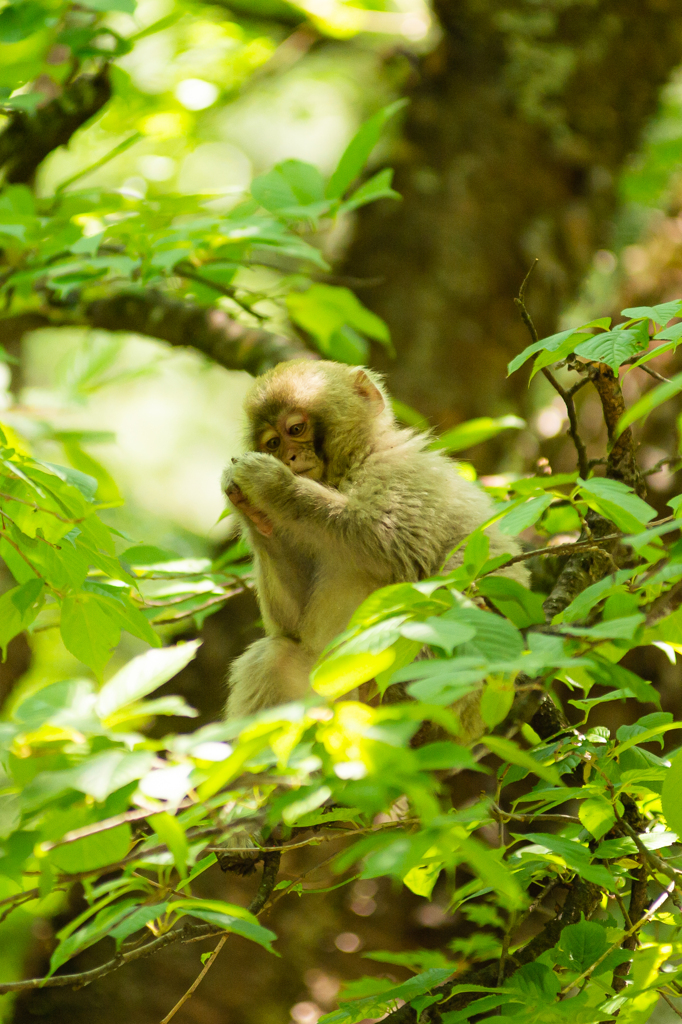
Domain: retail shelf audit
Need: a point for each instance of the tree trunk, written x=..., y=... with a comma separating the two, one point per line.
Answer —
x=518, y=125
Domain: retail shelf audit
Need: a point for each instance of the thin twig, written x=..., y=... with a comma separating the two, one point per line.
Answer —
x=669, y=1002
x=197, y=981
x=222, y=289
x=668, y=460
x=200, y=607
x=39, y=508
x=654, y=374
x=566, y=395
x=563, y=819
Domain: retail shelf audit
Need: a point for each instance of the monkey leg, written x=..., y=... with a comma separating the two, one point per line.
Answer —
x=271, y=671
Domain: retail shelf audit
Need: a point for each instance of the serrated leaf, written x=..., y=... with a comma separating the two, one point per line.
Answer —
x=614, y=347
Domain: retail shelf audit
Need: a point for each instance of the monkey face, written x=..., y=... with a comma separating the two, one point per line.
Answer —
x=292, y=440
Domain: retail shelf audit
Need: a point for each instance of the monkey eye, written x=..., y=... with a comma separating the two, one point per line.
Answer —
x=272, y=444
x=296, y=429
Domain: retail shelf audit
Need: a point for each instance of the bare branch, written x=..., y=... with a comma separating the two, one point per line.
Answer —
x=566, y=395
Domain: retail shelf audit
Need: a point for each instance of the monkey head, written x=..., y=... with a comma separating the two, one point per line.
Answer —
x=317, y=417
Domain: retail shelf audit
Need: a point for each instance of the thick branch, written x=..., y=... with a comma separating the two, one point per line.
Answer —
x=621, y=464
x=28, y=138
x=206, y=328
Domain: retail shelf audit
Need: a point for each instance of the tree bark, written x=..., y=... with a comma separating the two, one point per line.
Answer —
x=518, y=124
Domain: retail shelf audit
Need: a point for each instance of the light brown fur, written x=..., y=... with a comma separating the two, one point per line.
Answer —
x=350, y=504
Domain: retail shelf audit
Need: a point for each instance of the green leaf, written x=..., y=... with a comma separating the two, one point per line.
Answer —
x=614, y=347
x=524, y=515
x=650, y=401
x=93, y=931
x=617, y=502
x=496, y=639
x=293, y=188
x=91, y=852
x=597, y=815
x=107, y=491
x=143, y=675
x=510, y=751
x=18, y=609
x=605, y=673
x=444, y=754
x=357, y=1010
x=229, y=917
x=171, y=833
x=324, y=309
x=473, y=432
x=439, y=632
x=592, y=595
x=88, y=630
x=670, y=795
x=20, y=20
x=660, y=314
x=102, y=774
x=553, y=342
x=519, y=604
x=126, y=6
x=359, y=149
x=136, y=920
x=378, y=187
x=335, y=677
x=575, y=855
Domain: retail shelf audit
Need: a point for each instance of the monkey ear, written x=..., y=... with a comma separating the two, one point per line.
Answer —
x=368, y=390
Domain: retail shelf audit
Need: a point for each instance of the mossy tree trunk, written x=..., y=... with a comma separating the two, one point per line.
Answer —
x=518, y=125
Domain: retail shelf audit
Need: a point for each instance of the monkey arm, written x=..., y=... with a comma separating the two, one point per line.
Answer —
x=270, y=489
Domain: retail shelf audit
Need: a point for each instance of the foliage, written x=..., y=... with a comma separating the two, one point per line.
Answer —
x=89, y=796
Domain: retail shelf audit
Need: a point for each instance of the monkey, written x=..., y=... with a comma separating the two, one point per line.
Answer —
x=337, y=501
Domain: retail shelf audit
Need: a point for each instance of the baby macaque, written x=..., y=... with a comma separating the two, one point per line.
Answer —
x=337, y=501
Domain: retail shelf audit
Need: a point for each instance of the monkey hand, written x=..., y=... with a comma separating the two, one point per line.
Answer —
x=262, y=478
x=242, y=502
